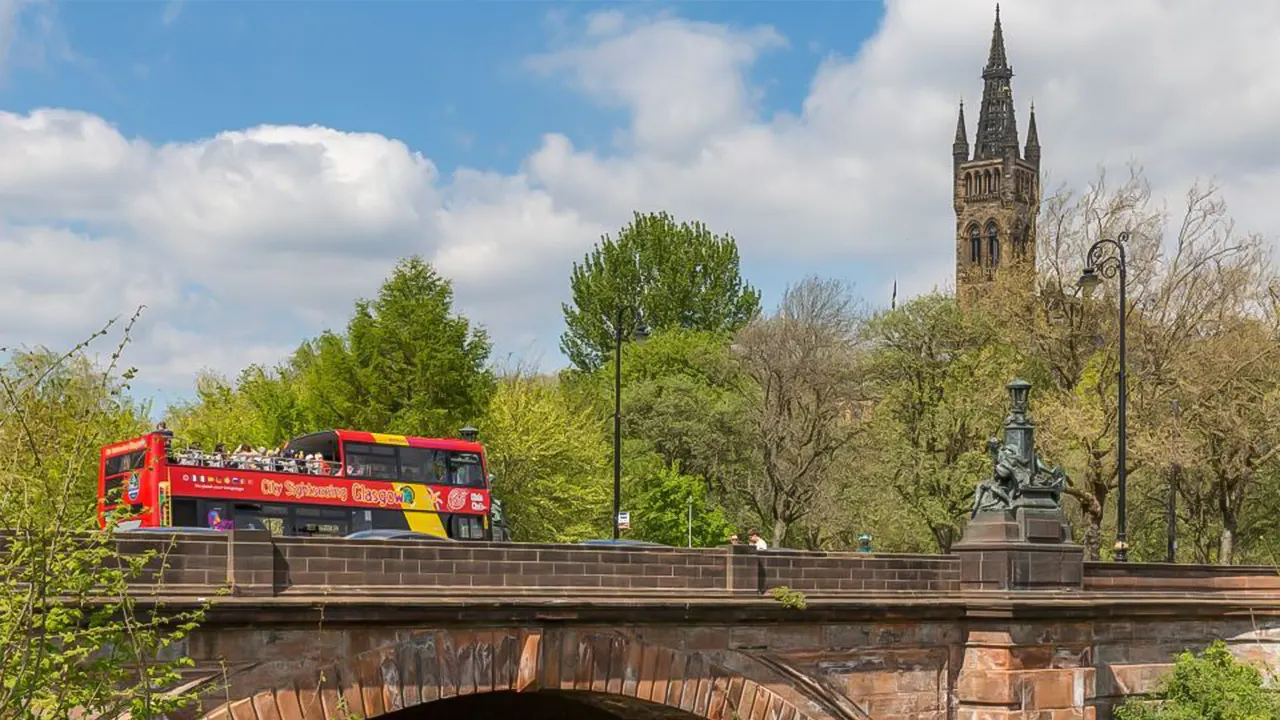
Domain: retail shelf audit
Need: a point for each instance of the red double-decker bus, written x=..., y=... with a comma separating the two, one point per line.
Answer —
x=327, y=483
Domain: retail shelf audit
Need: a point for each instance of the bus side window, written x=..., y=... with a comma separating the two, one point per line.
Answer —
x=422, y=465
x=376, y=462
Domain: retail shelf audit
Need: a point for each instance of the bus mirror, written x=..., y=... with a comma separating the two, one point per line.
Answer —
x=491, y=479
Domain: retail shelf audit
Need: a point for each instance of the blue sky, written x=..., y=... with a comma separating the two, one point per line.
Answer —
x=447, y=78
x=248, y=169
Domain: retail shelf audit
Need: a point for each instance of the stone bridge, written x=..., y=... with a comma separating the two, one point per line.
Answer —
x=328, y=629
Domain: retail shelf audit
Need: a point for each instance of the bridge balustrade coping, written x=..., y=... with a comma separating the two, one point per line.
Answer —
x=255, y=563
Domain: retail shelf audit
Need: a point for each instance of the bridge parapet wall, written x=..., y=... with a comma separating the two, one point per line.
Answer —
x=254, y=563
x=1166, y=577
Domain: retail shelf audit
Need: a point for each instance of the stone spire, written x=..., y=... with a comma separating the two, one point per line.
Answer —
x=1032, y=153
x=997, y=126
x=960, y=148
x=997, y=58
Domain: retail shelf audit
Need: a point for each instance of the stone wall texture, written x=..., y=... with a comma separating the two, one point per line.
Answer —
x=303, y=628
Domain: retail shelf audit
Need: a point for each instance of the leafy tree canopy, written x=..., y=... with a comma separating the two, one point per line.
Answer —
x=1210, y=686
x=549, y=461
x=660, y=273
x=72, y=641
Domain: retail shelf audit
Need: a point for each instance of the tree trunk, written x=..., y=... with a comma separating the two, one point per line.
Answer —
x=1092, y=541
x=779, y=532
x=1227, y=539
x=1226, y=546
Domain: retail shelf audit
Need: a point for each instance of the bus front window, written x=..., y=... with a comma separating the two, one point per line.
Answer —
x=465, y=470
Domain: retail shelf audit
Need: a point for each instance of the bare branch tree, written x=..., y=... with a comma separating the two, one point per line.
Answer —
x=802, y=361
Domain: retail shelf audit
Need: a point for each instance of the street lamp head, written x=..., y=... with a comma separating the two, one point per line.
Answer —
x=469, y=433
x=1089, y=281
x=1019, y=393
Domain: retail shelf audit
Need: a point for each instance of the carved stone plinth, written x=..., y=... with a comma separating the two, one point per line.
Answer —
x=1026, y=548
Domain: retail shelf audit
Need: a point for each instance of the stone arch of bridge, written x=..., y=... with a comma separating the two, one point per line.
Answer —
x=428, y=667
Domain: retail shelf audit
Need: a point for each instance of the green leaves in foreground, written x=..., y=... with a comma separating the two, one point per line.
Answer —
x=72, y=637
x=1209, y=686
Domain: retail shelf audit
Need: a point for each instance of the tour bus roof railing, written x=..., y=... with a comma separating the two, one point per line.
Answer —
x=232, y=460
x=345, y=436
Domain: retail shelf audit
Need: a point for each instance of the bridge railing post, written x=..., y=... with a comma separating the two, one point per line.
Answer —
x=251, y=562
x=744, y=573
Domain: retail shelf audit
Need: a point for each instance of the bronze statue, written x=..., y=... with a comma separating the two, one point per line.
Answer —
x=1019, y=478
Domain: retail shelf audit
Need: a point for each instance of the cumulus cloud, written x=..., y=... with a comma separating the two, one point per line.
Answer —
x=245, y=242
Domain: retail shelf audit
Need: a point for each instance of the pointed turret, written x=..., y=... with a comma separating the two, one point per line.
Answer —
x=1032, y=153
x=996, y=58
x=997, y=126
x=960, y=148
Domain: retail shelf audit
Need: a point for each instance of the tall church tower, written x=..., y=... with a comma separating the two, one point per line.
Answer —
x=997, y=190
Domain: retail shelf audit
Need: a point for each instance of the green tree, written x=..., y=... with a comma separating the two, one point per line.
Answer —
x=73, y=641
x=683, y=397
x=549, y=459
x=58, y=391
x=411, y=365
x=672, y=508
x=659, y=272
x=1210, y=686
x=939, y=377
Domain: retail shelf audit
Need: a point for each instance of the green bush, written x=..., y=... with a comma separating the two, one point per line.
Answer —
x=1210, y=686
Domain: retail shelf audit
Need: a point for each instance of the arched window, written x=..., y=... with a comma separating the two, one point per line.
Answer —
x=975, y=245
x=968, y=184
x=986, y=181
x=993, y=244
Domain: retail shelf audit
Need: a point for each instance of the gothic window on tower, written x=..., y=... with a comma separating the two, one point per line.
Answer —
x=975, y=245
x=993, y=244
x=968, y=184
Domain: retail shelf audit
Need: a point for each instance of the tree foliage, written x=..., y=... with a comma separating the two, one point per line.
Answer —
x=675, y=509
x=1210, y=686
x=548, y=457
x=938, y=376
x=659, y=273
x=72, y=638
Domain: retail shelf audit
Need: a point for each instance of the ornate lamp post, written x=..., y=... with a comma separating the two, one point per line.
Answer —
x=1096, y=266
x=639, y=333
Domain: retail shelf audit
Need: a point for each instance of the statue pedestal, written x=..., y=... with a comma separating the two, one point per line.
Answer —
x=1026, y=548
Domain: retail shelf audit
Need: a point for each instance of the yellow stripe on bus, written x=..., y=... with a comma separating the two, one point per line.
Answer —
x=423, y=497
x=382, y=439
x=425, y=522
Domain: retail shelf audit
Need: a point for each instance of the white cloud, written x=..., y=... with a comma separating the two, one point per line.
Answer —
x=243, y=243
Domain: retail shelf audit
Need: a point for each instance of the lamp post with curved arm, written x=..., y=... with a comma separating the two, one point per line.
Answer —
x=1098, y=265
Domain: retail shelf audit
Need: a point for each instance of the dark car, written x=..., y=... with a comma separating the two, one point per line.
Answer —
x=606, y=542
x=389, y=534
